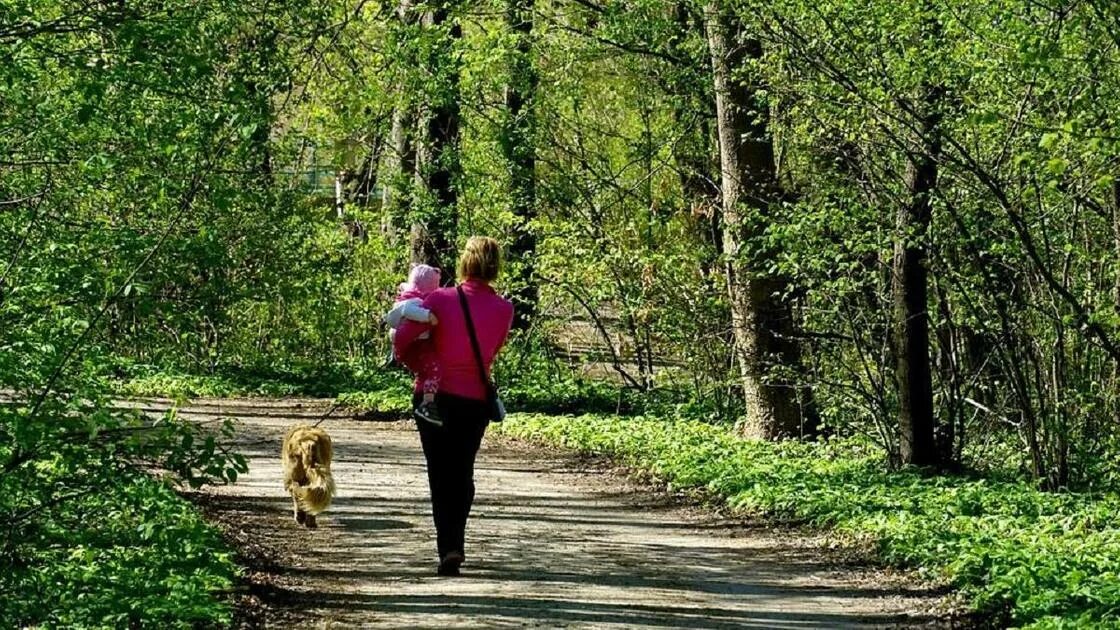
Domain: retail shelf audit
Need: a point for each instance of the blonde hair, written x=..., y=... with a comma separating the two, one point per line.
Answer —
x=481, y=259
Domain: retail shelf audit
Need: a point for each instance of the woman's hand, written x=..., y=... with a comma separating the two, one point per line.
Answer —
x=432, y=319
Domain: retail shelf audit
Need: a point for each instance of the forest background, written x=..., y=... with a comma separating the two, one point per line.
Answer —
x=850, y=262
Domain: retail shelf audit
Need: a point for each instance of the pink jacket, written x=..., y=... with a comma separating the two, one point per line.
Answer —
x=492, y=315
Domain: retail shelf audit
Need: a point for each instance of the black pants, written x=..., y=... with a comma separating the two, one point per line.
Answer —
x=450, y=451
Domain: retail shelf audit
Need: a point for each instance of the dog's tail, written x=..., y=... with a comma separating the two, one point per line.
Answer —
x=316, y=496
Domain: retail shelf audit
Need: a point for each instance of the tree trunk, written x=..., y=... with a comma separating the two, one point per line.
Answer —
x=1116, y=237
x=519, y=148
x=910, y=297
x=432, y=238
x=262, y=48
x=1115, y=389
x=359, y=185
x=693, y=153
x=761, y=321
x=396, y=194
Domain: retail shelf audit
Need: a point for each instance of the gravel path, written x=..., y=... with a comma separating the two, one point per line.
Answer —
x=555, y=541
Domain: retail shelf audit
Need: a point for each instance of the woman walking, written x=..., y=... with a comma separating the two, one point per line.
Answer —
x=464, y=395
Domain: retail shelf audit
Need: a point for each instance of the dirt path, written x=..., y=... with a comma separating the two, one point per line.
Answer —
x=553, y=542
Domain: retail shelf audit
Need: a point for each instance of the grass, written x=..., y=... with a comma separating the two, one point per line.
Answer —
x=380, y=391
x=232, y=380
x=377, y=389
x=1020, y=556
x=387, y=397
x=134, y=555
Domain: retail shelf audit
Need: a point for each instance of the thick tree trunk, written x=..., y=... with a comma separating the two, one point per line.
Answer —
x=910, y=297
x=1116, y=238
x=519, y=148
x=761, y=321
x=432, y=239
x=396, y=194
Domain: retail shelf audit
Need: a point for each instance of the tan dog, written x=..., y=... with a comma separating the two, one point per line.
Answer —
x=307, y=456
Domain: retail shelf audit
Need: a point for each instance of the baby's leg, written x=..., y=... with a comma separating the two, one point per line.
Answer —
x=430, y=384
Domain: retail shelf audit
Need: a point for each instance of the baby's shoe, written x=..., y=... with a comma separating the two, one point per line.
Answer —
x=428, y=412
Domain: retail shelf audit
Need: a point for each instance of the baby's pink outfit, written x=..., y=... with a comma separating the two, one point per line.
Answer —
x=422, y=281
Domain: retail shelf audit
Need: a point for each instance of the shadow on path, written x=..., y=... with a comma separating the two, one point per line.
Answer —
x=549, y=545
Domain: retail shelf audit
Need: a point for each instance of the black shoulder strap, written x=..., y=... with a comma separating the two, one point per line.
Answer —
x=474, y=338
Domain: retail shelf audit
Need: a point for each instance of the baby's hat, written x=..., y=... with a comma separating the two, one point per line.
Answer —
x=423, y=278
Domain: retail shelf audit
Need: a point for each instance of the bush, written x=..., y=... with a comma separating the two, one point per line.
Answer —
x=89, y=537
x=388, y=392
x=131, y=554
x=1023, y=556
x=236, y=380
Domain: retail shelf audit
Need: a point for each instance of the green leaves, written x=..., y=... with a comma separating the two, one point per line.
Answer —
x=92, y=541
x=1028, y=558
x=135, y=216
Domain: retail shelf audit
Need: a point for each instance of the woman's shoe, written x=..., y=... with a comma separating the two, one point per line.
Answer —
x=449, y=566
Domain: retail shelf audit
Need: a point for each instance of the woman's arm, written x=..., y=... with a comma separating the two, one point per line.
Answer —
x=410, y=330
x=406, y=334
x=505, y=336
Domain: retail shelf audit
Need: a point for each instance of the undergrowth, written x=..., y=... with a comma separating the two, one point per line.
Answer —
x=133, y=555
x=236, y=380
x=92, y=534
x=380, y=389
x=1021, y=556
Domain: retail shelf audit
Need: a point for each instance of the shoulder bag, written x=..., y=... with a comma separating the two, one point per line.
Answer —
x=496, y=411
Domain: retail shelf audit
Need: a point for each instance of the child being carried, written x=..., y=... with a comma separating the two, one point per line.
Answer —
x=422, y=280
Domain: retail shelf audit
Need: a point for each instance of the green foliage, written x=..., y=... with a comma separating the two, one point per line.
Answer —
x=1022, y=241
x=137, y=207
x=389, y=402
x=1027, y=557
x=89, y=540
x=165, y=229
x=190, y=385
x=529, y=380
x=133, y=554
x=383, y=391
x=296, y=379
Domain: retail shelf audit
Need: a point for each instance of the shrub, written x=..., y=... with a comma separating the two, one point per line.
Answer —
x=1023, y=556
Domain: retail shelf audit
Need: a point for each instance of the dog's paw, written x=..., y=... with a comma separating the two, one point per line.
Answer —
x=301, y=517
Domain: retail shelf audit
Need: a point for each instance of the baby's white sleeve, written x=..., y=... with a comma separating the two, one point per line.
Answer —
x=412, y=310
x=393, y=317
